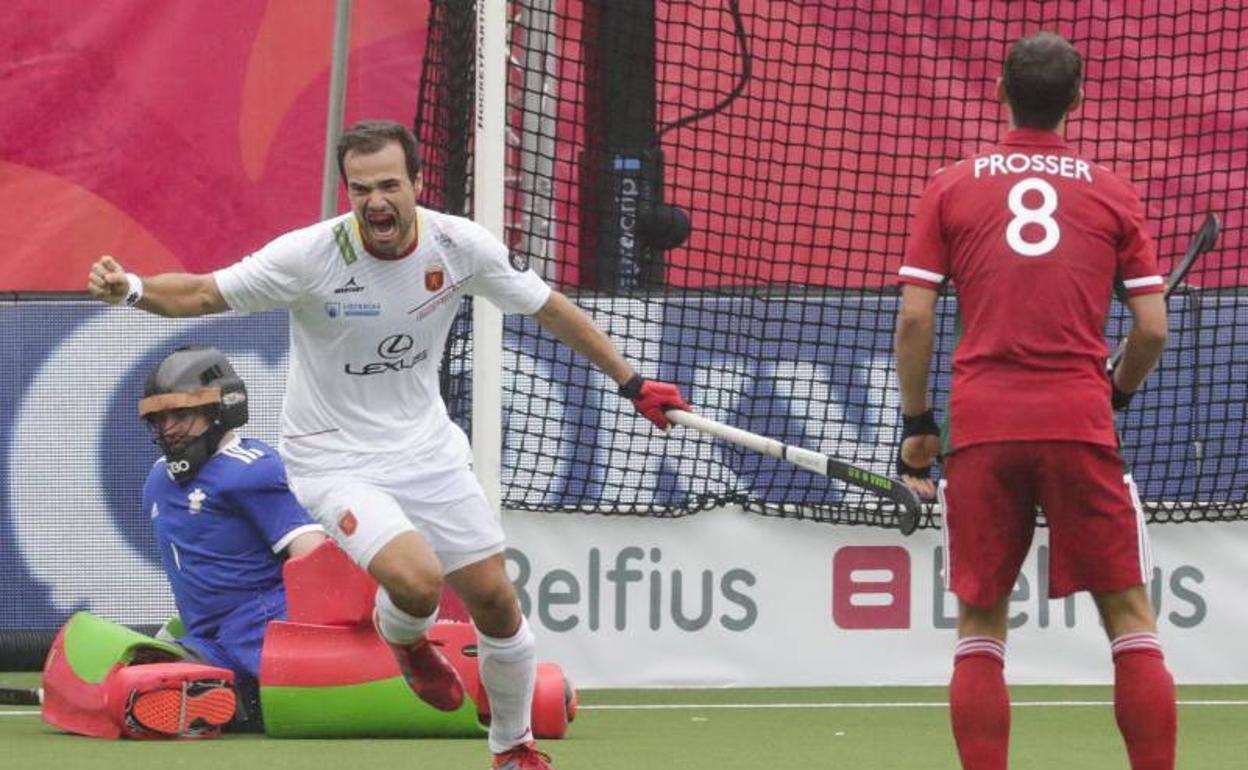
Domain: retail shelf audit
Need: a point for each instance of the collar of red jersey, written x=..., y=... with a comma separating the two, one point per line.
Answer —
x=1034, y=136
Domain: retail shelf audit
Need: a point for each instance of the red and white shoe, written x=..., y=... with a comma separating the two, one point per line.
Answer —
x=522, y=757
x=191, y=712
x=427, y=672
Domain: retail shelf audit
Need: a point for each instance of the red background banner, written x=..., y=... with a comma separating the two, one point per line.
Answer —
x=178, y=135
x=183, y=135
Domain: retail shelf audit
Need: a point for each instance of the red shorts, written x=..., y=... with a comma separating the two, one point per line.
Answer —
x=989, y=495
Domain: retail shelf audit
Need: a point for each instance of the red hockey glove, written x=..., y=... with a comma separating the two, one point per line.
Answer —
x=652, y=399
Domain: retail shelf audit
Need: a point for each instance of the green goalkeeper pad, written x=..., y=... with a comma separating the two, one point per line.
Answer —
x=94, y=646
x=381, y=709
x=173, y=630
x=342, y=682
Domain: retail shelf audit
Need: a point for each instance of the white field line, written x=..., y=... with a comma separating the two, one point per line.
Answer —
x=747, y=706
x=900, y=705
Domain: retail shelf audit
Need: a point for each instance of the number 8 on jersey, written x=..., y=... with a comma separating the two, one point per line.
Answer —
x=1042, y=216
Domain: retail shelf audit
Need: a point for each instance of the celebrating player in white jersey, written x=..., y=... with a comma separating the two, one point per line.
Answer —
x=366, y=437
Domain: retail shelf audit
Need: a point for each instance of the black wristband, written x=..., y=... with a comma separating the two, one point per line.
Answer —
x=919, y=425
x=632, y=389
x=1119, y=399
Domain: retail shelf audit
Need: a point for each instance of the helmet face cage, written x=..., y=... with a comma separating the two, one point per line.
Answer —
x=193, y=378
x=169, y=440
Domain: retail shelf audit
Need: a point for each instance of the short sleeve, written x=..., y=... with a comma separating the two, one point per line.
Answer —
x=264, y=497
x=269, y=278
x=497, y=279
x=926, y=260
x=1137, y=254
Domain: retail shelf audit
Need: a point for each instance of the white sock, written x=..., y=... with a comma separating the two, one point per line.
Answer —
x=509, y=673
x=395, y=625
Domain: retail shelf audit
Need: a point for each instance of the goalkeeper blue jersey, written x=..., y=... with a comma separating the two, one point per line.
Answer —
x=221, y=534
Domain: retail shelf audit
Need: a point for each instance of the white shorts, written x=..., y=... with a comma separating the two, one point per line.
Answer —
x=366, y=506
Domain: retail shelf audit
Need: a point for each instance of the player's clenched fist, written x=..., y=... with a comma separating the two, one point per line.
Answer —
x=108, y=281
x=652, y=399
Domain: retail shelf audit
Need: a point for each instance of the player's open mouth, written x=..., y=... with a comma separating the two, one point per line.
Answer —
x=382, y=224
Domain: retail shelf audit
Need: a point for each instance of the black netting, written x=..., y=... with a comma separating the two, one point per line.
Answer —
x=444, y=124
x=797, y=136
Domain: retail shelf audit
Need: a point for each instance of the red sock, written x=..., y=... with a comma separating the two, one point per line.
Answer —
x=1144, y=701
x=979, y=705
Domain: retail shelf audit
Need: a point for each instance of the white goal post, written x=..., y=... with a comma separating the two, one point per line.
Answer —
x=488, y=189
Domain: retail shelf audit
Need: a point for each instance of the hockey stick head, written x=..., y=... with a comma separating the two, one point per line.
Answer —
x=911, y=512
x=1202, y=242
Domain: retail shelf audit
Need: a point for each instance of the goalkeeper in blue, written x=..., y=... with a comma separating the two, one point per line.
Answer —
x=223, y=513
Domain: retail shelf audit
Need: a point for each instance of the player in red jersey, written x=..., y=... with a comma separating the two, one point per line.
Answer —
x=1033, y=238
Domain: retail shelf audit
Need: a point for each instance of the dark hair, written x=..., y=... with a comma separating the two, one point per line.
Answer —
x=369, y=136
x=1042, y=76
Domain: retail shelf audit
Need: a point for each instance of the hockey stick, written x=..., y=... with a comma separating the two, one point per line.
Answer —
x=19, y=696
x=884, y=486
x=1202, y=241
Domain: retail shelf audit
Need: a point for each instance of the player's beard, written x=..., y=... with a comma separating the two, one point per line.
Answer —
x=387, y=232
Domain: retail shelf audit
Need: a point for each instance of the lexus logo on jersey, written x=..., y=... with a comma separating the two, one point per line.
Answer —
x=395, y=346
x=434, y=278
x=347, y=523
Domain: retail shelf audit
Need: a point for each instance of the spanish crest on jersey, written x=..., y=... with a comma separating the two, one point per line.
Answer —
x=435, y=277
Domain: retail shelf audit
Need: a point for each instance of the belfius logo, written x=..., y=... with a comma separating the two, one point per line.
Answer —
x=873, y=586
x=632, y=588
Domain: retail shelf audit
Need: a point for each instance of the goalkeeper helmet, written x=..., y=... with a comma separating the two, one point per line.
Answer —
x=193, y=377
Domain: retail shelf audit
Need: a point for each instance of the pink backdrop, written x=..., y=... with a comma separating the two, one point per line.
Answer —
x=182, y=135
x=177, y=135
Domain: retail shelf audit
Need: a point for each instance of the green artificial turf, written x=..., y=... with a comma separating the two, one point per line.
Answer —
x=889, y=728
